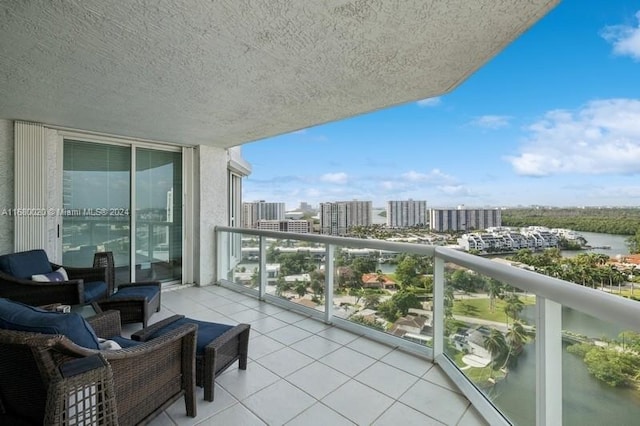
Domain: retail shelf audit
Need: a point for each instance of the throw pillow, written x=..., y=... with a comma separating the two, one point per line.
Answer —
x=58, y=275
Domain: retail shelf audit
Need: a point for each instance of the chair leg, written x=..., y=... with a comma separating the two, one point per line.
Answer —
x=209, y=379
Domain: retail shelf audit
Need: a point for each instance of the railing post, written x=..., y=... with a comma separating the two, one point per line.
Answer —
x=438, y=306
x=262, y=271
x=328, y=282
x=548, y=362
x=217, y=273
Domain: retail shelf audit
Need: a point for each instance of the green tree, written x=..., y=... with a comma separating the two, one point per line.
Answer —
x=300, y=288
x=496, y=344
x=634, y=242
x=405, y=301
x=513, y=306
x=371, y=300
x=389, y=310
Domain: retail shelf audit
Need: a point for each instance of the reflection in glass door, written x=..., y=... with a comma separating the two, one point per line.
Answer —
x=158, y=218
x=96, y=204
x=99, y=207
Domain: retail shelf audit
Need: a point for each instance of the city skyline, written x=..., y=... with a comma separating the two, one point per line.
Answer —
x=554, y=119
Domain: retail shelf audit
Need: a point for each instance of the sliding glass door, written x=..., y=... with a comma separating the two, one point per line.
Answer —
x=127, y=200
x=158, y=218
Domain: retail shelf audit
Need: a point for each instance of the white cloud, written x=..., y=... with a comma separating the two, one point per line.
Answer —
x=337, y=178
x=429, y=102
x=603, y=137
x=624, y=38
x=492, y=121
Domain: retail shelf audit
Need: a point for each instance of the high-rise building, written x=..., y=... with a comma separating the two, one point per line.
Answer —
x=337, y=217
x=461, y=219
x=295, y=226
x=403, y=214
x=261, y=210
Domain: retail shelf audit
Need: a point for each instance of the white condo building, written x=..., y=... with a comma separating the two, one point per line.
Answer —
x=297, y=226
x=461, y=219
x=261, y=210
x=403, y=214
x=337, y=217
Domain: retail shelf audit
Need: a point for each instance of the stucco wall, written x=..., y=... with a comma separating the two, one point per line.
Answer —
x=212, y=200
x=6, y=185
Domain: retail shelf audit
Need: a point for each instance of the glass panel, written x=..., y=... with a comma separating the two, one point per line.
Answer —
x=96, y=197
x=158, y=215
x=600, y=369
x=390, y=292
x=490, y=335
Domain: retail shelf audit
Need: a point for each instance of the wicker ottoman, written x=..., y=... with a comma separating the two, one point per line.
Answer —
x=218, y=346
x=136, y=302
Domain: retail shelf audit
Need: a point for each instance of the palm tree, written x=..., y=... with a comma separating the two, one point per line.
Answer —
x=496, y=345
x=494, y=289
x=515, y=338
x=513, y=307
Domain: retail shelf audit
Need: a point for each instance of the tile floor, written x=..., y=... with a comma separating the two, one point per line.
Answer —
x=304, y=372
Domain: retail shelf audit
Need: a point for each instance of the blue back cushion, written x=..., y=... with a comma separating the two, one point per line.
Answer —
x=207, y=331
x=19, y=317
x=24, y=264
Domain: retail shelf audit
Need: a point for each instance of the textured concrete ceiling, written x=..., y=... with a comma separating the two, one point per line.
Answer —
x=227, y=72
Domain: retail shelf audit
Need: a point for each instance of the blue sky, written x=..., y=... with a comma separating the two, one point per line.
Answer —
x=554, y=119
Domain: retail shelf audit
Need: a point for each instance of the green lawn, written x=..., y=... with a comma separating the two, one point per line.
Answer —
x=479, y=308
x=478, y=376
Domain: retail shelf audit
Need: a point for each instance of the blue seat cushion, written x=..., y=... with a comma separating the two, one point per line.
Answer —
x=19, y=317
x=147, y=292
x=24, y=264
x=207, y=331
x=124, y=342
x=95, y=290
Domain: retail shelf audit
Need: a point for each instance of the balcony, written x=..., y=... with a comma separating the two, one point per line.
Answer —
x=304, y=372
x=434, y=360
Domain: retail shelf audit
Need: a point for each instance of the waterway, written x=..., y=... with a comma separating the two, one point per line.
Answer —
x=618, y=244
x=586, y=400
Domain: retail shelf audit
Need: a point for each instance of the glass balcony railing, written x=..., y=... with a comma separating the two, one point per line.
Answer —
x=524, y=348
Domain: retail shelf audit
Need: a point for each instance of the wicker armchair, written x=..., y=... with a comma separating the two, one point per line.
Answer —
x=16, y=269
x=147, y=378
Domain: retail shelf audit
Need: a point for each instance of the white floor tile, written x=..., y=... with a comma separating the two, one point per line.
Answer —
x=387, y=379
x=247, y=316
x=407, y=362
x=268, y=324
x=471, y=417
x=263, y=345
x=290, y=317
x=316, y=346
x=237, y=415
x=285, y=361
x=347, y=361
x=243, y=383
x=317, y=379
x=337, y=335
x=370, y=348
x=279, y=403
x=435, y=401
x=312, y=325
x=289, y=334
x=408, y=416
x=357, y=402
x=435, y=375
x=319, y=415
x=205, y=409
